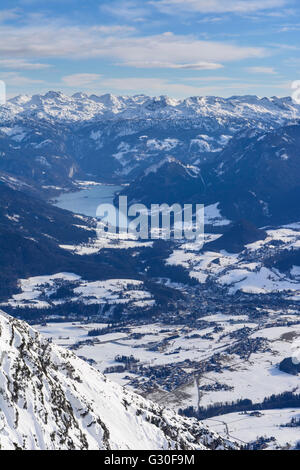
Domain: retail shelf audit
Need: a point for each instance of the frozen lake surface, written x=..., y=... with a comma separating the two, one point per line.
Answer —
x=86, y=201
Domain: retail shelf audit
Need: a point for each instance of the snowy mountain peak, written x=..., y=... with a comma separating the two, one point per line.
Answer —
x=80, y=96
x=55, y=95
x=81, y=107
x=50, y=399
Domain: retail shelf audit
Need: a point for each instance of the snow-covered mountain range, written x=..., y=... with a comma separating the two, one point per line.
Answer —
x=50, y=399
x=54, y=138
x=82, y=107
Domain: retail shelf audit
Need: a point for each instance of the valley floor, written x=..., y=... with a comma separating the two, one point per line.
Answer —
x=225, y=358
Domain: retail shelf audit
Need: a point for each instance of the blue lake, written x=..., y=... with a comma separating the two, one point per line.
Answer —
x=86, y=201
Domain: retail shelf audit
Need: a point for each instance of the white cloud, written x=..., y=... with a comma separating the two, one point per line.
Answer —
x=9, y=14
x=87, y=42
x=289, y=28
x=113, y=29
x=286, y=47
x=159, y=86
x=209, y=79
x=292, y=62
x=20, y=64
x=155, y=86
x=218, y=6
x=128, y=10
x=15, y=79
x=169, y=65
x=80, y=79
x=213, y=19
x=264, y=70
x=176, y=49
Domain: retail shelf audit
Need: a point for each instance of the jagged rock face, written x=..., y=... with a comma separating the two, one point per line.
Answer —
x=50, y=399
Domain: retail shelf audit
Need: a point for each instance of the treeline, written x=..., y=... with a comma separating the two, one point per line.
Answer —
x=283, y=400
x=126, y=359
x=294, y=423
x=118, y=327
x=65, y=312
x=99, y=331
x=155, y=260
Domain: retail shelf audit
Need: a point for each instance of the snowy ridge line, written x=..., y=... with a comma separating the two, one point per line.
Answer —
x=82, y=107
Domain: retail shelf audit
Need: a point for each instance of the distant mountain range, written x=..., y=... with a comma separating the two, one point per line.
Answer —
x=53, y=138
x=81, y=107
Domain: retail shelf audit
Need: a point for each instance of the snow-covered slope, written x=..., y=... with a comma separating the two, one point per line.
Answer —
x=269, y=265
x=50, y=399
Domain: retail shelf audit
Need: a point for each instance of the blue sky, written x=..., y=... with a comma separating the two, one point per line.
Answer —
x=156, y=47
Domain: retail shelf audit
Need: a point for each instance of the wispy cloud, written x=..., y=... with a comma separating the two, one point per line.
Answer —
x=21, y=64
x=81, y=79
x=213, y=19
x=159, y=86
x=6, y=15
x=292, y=62
x=75, y=42
x=155, y=86
x=128, y=10
x=290, y=28
x=15, y=79
x=285, y=47
x=114, y=29
x=170, y=65
x=209, y=79
x=262, y=70
x=218, y=6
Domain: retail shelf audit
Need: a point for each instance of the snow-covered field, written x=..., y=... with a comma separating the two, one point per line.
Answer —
x=245, y=271
x=41, y=292
x=118, y=241
x=214, y=217
x=270, y=423
x=254, y=378
x=182, y=348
